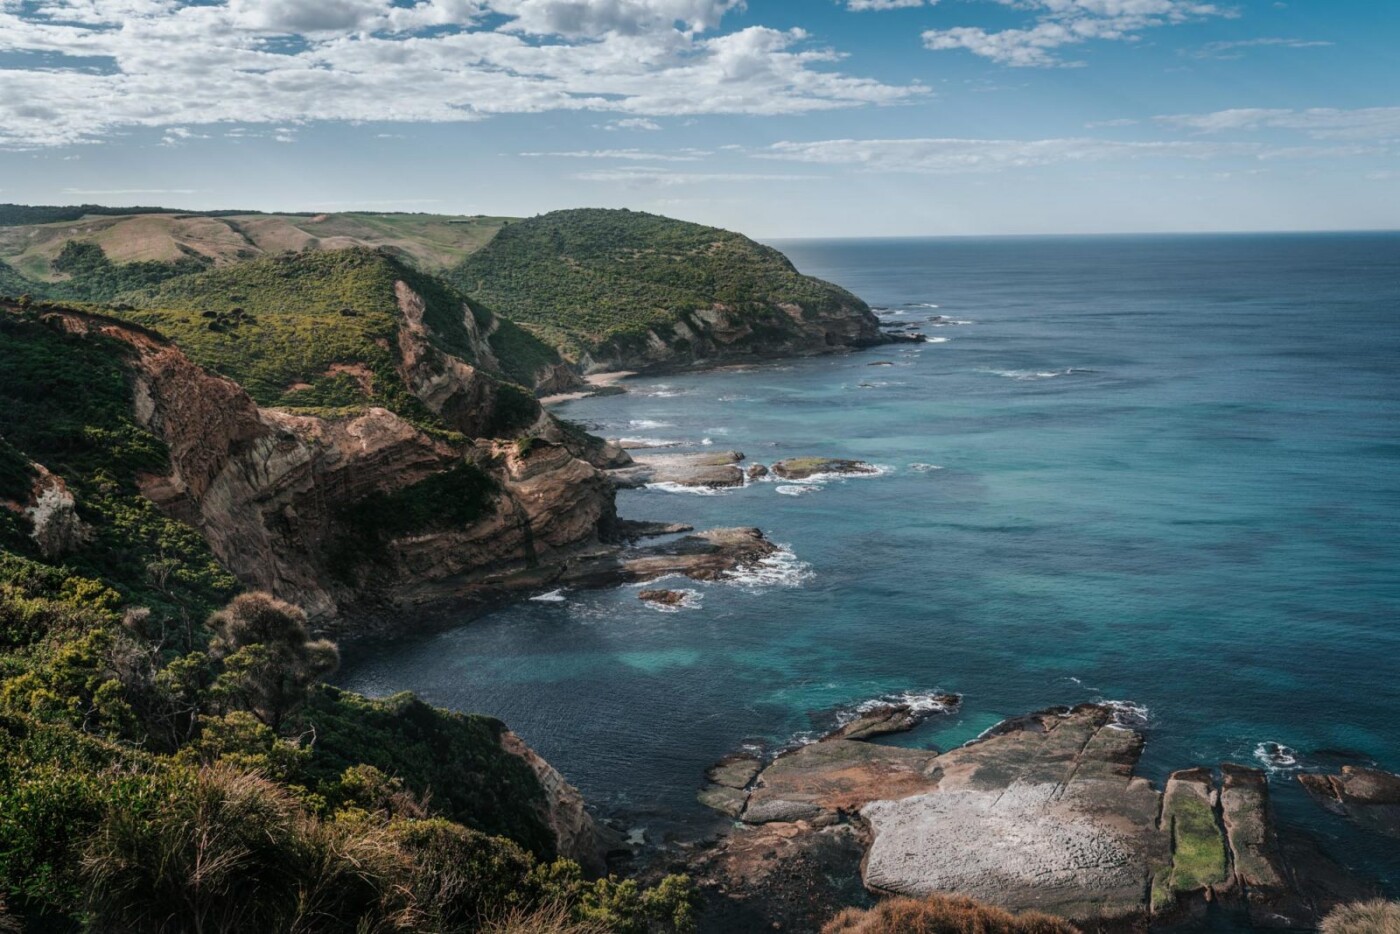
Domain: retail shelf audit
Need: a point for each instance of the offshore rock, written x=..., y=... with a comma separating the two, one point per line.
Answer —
x=1370, y=797
x=803, y=468
x=712, y=469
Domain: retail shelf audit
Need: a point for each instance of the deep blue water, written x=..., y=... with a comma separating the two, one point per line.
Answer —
x=1168, y=473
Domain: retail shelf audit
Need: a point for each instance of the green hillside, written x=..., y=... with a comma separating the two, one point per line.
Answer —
x=170, y=759
x=580, y=278
x=12, y=283
x=318, y=330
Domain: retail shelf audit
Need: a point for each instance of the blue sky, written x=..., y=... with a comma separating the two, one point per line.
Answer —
x=776, y=117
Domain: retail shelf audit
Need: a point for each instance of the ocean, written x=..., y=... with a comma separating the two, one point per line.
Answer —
x=1163, y=471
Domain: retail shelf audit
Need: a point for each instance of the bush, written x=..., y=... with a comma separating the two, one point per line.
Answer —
x=269, y=659
x=1374, y=917
x=943, y=914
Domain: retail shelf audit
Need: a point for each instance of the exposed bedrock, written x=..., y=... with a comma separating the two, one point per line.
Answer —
x=1042, y=812
x=280, y=498
x=712, y=469
x=1368, y=796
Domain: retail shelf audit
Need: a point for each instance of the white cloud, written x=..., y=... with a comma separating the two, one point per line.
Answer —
x=633, y=123
x=1235, y=48
x=279, y=62
x=859, y=6
x=651, y=177
x=638, y=155
x=961, y=156
x=956, y=156
x=1317, y=123
x=1061, y=23
x=130, y=191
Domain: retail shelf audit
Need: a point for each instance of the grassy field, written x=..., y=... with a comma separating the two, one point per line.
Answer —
x=428, y=241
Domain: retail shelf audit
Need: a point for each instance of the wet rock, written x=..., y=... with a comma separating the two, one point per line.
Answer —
x=632, y=529
x=757, y=472
x=882, y=719
x=803, y=468
x=663, y=597
x=1368, y=796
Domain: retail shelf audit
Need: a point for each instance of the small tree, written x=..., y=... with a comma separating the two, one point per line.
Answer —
x=269, y=658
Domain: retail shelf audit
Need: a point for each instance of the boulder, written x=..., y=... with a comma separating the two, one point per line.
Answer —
x=663, y=597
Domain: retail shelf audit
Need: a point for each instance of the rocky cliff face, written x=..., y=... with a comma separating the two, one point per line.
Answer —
x=270, y=490
x=725, y=333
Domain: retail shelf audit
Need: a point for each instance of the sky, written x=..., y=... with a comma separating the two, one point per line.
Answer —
x=780, y=118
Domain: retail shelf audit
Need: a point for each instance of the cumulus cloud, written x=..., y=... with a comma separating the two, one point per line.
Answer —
x=1060, y=23
x=278, y=62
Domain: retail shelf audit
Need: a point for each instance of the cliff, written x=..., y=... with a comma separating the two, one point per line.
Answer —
x=628, y=290
x=348, y=516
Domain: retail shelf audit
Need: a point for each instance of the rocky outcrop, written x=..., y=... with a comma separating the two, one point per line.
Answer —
x=1370, y=797
x=53, y=515
x=272, y=491
x=576, y=835
x=1042, y=812
x=464, y=396
x=715, y=470
x=804, y=468
x=662, y=597
x=724, y=333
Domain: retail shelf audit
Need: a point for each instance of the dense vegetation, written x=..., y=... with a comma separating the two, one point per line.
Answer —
x=169, y=758
x=580, y=278
x=319, y=330
x=12, y=283
x=18, y=215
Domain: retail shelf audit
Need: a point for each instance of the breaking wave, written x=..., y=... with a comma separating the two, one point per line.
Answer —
x=1276, y=757
x=668, y=487
x=554, y=596
x=780, y=569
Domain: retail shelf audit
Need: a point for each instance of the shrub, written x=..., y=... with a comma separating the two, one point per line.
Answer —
x=269, y=659
x=943, y=914
x=1374, y=917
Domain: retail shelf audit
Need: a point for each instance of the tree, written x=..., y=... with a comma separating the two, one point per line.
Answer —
x=269, y=658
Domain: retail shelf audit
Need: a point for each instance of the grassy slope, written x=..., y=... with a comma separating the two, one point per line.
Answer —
x=65, y=402
x=579, y=278
x=286, y=327
x=31, y=238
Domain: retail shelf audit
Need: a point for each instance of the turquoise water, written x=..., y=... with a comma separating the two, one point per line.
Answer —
x=1158, y=470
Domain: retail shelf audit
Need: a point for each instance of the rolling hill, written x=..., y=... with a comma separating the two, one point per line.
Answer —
x=31, y=239
x=624, y=289
x=351, y=328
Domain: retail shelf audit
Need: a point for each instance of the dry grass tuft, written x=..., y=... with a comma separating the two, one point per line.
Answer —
x=1374, y=917
x=943, y=914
